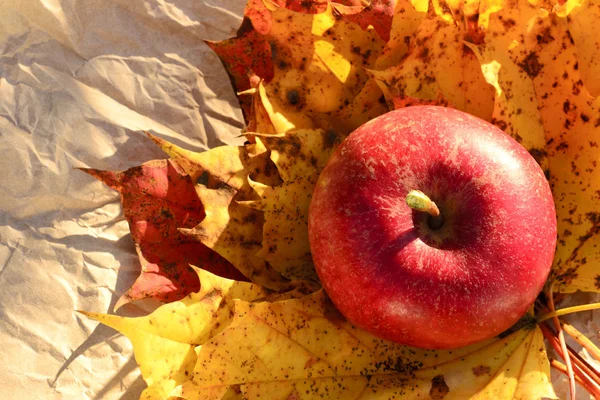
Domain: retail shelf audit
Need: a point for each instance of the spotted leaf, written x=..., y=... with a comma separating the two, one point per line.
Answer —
x=439, y=64
x=302, y=152
x=164, y=342
x=159, y=198
x=285, y=232
x=542, y=101
x=302, y=349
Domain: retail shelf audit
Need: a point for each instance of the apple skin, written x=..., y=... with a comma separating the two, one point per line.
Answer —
x=388, y=272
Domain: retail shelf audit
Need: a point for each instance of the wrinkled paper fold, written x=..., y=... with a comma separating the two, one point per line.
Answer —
x=79, y=84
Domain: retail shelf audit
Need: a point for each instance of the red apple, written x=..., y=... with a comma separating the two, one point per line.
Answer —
x=424, y=281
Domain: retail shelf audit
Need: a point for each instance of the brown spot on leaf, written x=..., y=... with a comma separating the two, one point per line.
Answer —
x=331, y=138
x=545, y=37
x=538, y=154
x=481, y=370
x=293, y=97
x=531, y=65
x=500, y=123
x=567, y=276
x=439, y=388
x=425, y=54
x=507, y=23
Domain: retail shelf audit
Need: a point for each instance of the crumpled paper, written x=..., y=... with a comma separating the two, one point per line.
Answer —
x=79, y=82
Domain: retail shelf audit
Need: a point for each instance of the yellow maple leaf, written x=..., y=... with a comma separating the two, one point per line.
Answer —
x=232, y=230
x=300, y=152
x=439, y=63
x=319, y=71
x=302, y=349
x=542, y=102
x=583, y=18
x=299, y=156
x=285, y=233
x=164, y=341
x=408, y=15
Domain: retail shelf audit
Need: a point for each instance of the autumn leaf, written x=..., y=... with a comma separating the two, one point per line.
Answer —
x=231, y=230
x=299, y=156
x=285, y=232
x=582, y=18
x=319, y=66
x=164, y=342
x=301, y=152
x=258, y=11
x=247, y=60
x=376, y=13
x=438, y=64
x=407, y=16
x=303, y=349
x=159, y=198
x=542, y=102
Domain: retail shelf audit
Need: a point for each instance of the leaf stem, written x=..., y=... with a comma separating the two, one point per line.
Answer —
x=569, y=310
x=586, y=385
x=554, y=342
x=584, y=366
x=563, y=343
x=582, y=340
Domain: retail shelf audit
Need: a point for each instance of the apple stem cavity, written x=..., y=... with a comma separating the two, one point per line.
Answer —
x=421, y=202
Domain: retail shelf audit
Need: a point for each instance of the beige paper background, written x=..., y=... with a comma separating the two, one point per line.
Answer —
x=79, y=81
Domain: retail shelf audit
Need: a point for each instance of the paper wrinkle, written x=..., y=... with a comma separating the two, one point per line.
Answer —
x=79, y=82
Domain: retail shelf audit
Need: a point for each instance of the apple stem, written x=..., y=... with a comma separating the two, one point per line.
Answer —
x=421, y=202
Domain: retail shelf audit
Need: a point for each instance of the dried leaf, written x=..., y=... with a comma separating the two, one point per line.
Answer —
x=233, y=231
x=285, y=232
x=312, y=64
x=583, y=20
x=259, y=119
x=376, y=13
x=245, y=57
x=299, y=156
x=319, y=68
x=302, y=152
x=369, y=103
x=159, y=198
x=259, y=11
x=228, y=165
x=439, y=64
x=164, y=341
x=407, y=17
x=543, y=103
x=302, y=349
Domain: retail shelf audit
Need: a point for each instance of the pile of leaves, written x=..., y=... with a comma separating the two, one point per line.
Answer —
x=222, y=235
